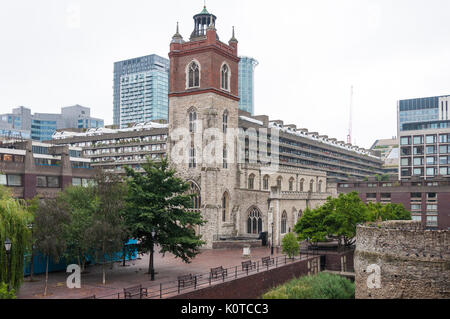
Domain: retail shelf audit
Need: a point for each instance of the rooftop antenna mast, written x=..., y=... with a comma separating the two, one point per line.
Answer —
x=350, y=124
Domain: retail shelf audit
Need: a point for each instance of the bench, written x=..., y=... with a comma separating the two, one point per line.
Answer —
x=215, y=272
x=89, y=297
x=266, y=261
x=247, y=265
x=186, y=280
x=130, y=292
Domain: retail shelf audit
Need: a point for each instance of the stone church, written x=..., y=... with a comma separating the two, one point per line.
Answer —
x=238, y=198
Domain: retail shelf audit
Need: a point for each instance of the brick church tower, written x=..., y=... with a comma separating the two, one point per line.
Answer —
x=203, y=113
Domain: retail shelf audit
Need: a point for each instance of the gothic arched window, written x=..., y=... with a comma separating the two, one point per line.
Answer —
x=192, y=121
x=196, y=200
x=225, y=157
x=283, y=222
x=225, y=73
x=251, y=181
x=266, y=182
x=311, y=186
x=279, y=180
x=319, y=189
x=192, y=161
x=291, y=184
x=193, y=75
x=254, y=221
x=302, y=183
x=225, y=205
x=225, y=122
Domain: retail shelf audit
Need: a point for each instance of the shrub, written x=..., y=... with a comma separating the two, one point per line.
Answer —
x=290, y=245
x=4, y=293
x=320, y=286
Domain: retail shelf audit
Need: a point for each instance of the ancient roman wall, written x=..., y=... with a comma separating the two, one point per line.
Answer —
x=411, y=262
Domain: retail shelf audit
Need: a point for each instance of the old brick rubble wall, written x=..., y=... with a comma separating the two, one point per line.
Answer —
x=414, y=263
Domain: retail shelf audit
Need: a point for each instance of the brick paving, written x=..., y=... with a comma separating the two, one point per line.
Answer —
x=167, y=268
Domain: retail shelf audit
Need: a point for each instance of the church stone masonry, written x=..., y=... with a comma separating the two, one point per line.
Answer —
x=236, y=199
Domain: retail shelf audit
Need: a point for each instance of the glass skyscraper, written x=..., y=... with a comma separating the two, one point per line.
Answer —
x=141, y=88
x=246, y=83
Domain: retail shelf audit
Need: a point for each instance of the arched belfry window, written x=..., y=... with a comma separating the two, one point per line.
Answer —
x=193, y=74
x=254, y=221
x=225, y=77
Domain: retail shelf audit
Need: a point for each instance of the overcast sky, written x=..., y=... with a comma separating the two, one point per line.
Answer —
x=56, y=53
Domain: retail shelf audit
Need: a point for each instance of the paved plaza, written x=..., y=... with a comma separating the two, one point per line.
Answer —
x=167, y=268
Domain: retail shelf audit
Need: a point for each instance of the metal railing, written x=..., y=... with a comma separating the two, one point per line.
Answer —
x=202, y=280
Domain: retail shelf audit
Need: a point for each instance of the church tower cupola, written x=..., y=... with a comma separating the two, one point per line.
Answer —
x=202, y=22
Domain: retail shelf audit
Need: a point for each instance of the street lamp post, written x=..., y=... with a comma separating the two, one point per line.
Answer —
x=8, y=245
x=271, y=246
x=152, y=268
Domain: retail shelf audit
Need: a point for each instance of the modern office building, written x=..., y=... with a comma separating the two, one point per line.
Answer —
x=141, y=86
x=427, y=200
x=30, y=168
x=41, y=126
x=424, y=134
x=247, y=67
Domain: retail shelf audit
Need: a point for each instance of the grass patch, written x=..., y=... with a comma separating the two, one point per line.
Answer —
x=320, y=286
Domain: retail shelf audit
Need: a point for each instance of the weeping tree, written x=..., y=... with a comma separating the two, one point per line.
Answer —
x=32, y=205
x=14, y=218
x=49, y=231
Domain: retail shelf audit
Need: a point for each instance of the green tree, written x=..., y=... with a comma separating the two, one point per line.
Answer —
x=82, y=204
x=108, y=229
x=14, y=218
x=50, y=222
x=310, y=226
x=390, y=211
x=157, y=202
x=337, y=218
x=32, y=206
x=290, y=245
x=342, y=215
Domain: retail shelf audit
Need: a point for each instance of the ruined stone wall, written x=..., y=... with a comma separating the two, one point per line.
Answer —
x=413, y=262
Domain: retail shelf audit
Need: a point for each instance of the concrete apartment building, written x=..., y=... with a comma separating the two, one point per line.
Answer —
x=111, y=149
x=31, y=168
